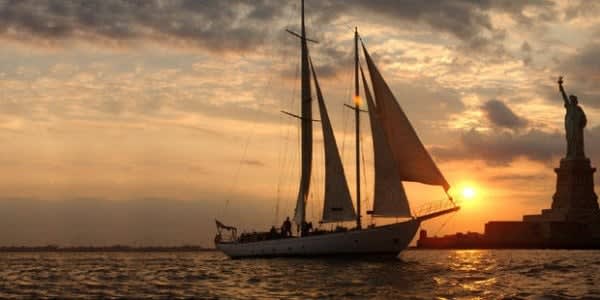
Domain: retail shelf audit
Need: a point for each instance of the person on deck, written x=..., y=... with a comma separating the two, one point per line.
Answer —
x=273, y=233
x=303, y=228
x=306, y=228
x=286, y=227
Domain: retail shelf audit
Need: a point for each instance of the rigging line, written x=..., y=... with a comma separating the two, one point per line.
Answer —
x=294, y=158
x=284, y=149
x=444, y=224
x=344, y=129
x=253, y=125
x=244, y=153
x=318, y=163
x=345, y=114
x=364, y=171
x=280, y=166
x=281, y=153
x=293, y=169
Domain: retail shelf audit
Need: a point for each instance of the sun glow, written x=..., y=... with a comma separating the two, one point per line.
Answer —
x=468, y=193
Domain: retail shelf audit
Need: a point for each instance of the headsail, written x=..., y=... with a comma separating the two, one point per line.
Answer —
x=413, y=161
x=389, y=198
x=337, y=201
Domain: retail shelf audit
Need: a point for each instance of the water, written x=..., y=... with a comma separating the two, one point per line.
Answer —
x=488, y=274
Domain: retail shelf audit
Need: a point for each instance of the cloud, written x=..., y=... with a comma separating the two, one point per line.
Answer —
x=581, y=9
x=585, y=64
x=521, y=178
x=210, y=24
x=526, y=52
x=582, y=74
x=469, y=21
x=241, y=25
x=502, y=116
x=253, y=162
x=504, y=147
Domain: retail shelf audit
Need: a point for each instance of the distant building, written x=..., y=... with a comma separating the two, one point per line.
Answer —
x=518, y=235
x=469, y=240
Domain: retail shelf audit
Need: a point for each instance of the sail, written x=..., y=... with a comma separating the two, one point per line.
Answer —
x=306, y=121
x=413, y=161
x=337, y=201
x=389, y=198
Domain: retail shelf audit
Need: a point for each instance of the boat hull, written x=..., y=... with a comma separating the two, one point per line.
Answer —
x=382, y=240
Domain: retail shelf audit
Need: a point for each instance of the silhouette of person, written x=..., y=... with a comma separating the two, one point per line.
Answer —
x=286, y=227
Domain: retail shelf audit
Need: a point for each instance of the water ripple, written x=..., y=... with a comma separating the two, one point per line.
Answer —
x=486, y=274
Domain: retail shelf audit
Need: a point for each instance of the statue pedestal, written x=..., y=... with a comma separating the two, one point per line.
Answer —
x=574, y=199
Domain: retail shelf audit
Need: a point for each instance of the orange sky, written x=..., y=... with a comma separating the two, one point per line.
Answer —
x=151, y=119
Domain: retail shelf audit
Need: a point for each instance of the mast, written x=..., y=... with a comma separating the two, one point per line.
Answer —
x=357, y=116
x=306, y=128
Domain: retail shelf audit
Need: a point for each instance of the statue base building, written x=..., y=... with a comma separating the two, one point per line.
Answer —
x=573, y=221
x=575, y=199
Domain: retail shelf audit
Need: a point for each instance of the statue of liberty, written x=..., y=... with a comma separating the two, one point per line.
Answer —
x=575, y=121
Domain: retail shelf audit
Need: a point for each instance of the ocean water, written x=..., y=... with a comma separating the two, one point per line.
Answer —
x=417, y=274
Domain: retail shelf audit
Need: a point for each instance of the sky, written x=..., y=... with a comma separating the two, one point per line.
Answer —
x=140, y=122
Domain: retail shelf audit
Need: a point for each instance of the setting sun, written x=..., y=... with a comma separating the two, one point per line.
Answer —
x=468, y=193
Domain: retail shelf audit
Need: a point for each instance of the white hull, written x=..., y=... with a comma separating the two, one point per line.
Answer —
x=388, y=239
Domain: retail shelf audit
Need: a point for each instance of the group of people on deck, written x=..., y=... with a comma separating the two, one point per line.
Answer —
x=286, y=228
x=305, y=229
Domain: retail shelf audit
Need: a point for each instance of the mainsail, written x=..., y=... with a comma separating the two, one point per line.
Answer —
x=337, y=201
x=306, y=120
x=413, y=161
x=389, y=198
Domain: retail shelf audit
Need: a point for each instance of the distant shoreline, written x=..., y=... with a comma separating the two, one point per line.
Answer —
x=116, y=248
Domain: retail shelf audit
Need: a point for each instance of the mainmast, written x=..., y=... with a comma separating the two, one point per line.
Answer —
x=306, y=128
x=357, y=116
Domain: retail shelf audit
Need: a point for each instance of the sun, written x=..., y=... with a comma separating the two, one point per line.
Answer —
x=468, y=193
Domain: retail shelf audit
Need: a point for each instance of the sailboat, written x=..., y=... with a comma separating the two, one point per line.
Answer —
x=399, y=156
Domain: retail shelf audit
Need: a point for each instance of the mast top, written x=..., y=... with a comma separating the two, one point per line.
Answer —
x=302, y=23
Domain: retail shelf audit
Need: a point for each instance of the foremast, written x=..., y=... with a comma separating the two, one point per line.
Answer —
x=306, y=127
x=357, y=123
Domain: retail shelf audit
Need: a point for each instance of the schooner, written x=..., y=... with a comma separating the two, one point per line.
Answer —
x=399, y=155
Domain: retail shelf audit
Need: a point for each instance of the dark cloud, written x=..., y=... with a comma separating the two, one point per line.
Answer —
x=582, y=74
x=585, y=64
x=212, y=24
x=467, y=20
x=581, y=8
x=239, y=24
x=525, y=47
x=501, y=148
x=545, y=10
x=526, y=52
x=462, y=18
x=502, y=116
x=504, y=147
